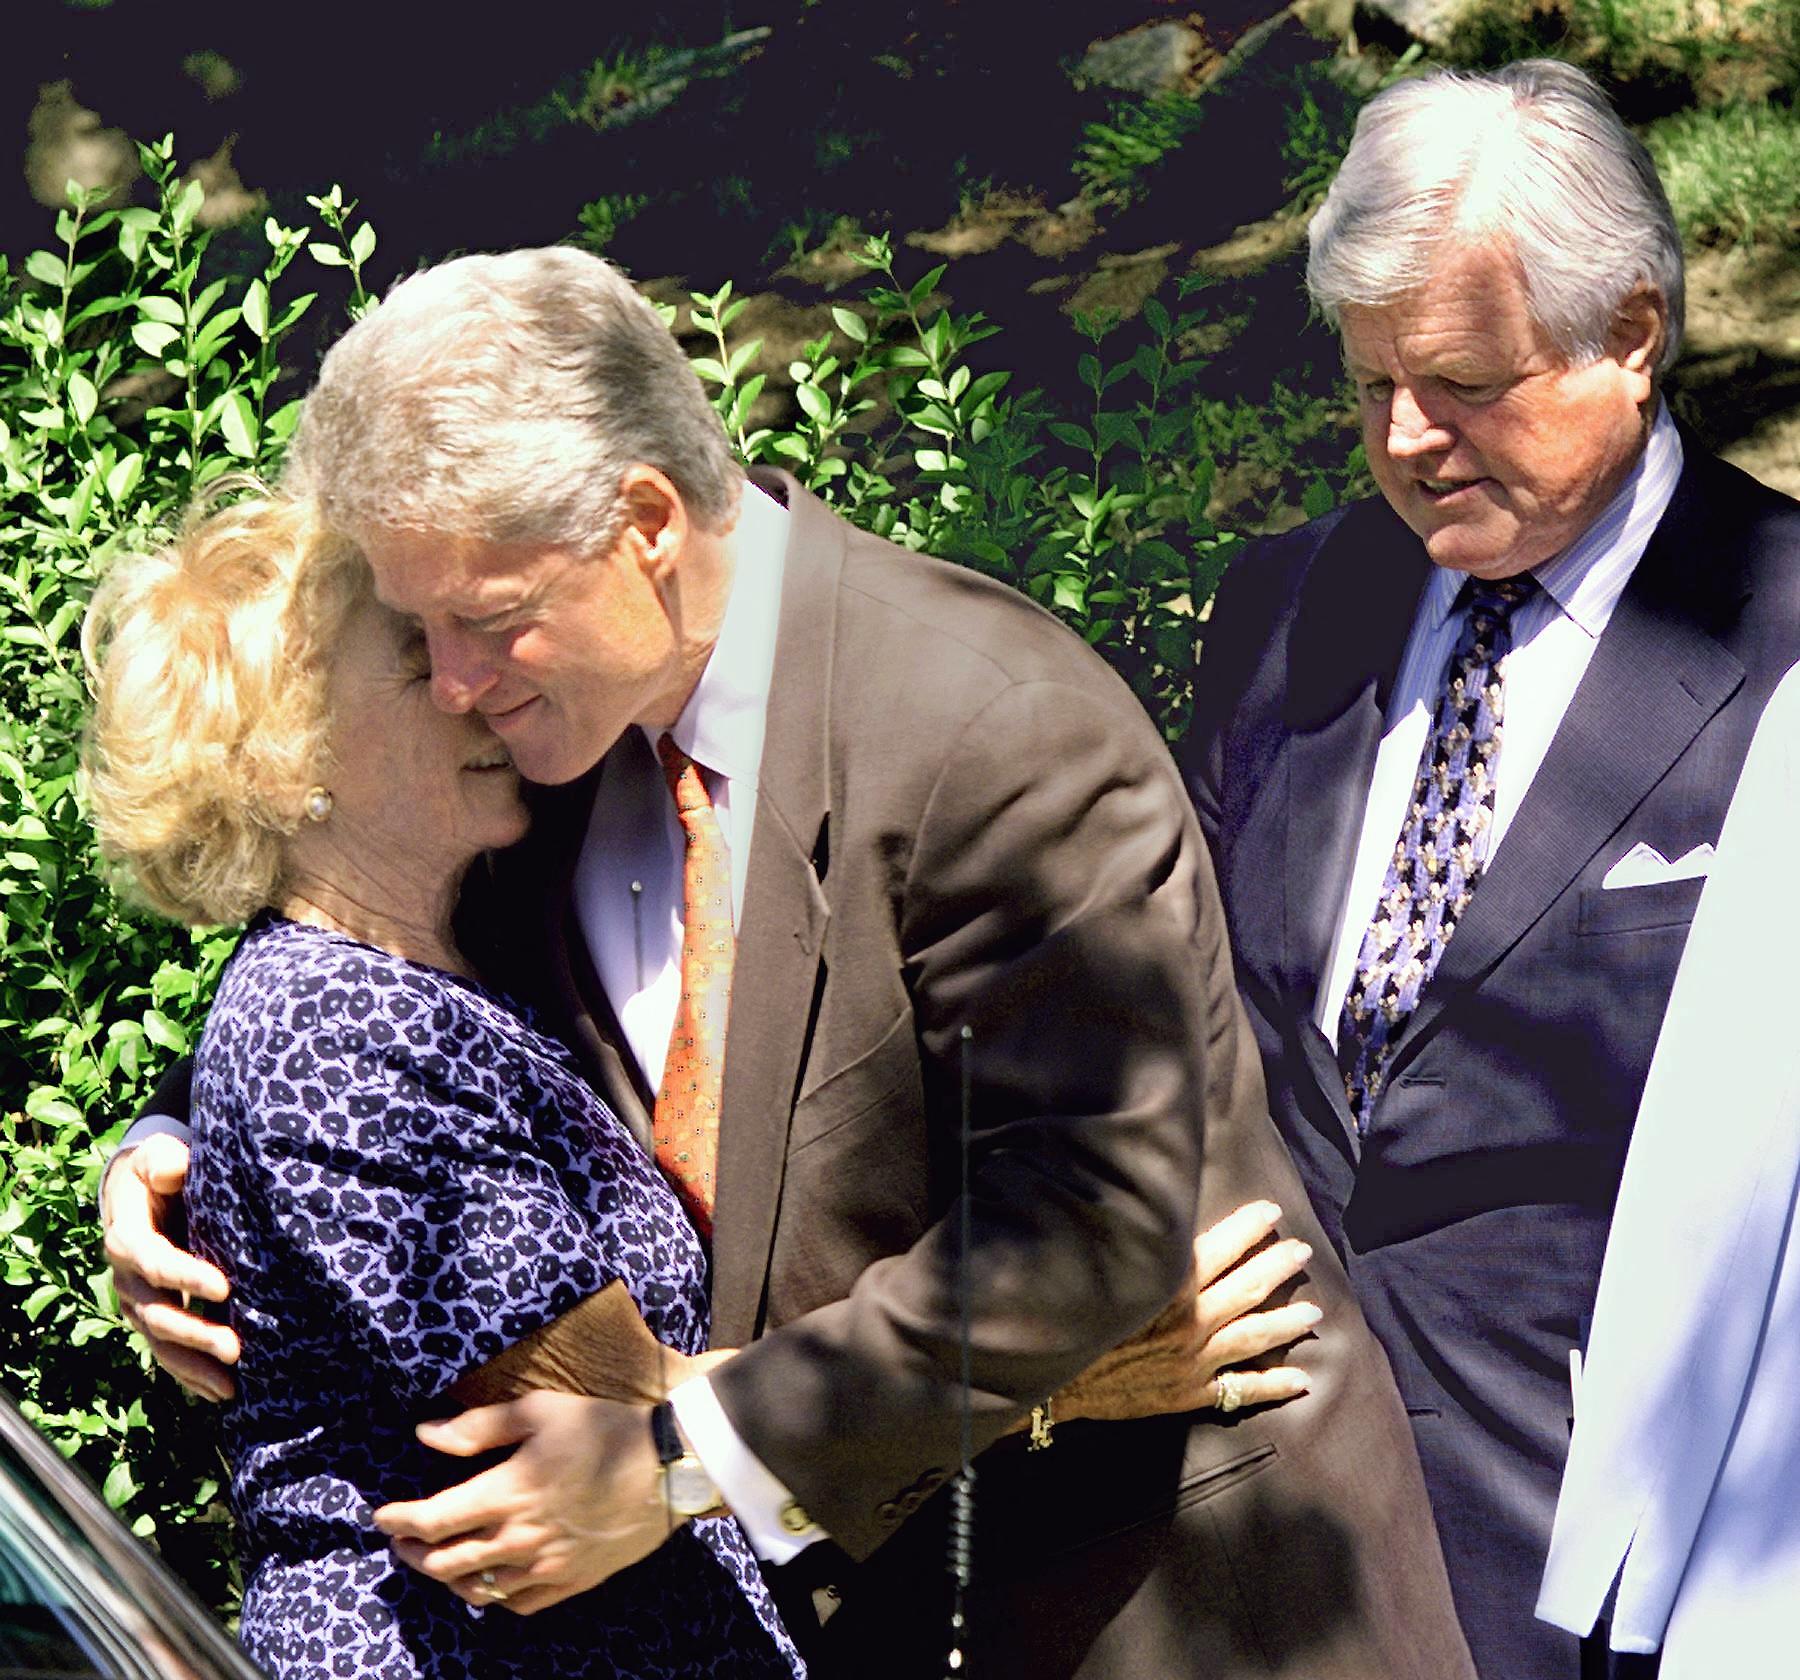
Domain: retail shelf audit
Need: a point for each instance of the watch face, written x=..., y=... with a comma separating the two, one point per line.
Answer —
x=691, y=1490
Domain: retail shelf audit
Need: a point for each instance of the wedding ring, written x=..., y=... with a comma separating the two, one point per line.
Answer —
x=490, y=1586
x=1230, y=1396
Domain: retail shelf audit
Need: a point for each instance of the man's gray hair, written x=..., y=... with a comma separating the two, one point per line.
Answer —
x=1532, y=155
x=502, y=398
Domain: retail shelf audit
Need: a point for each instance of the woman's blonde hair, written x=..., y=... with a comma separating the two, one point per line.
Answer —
x=208, y=661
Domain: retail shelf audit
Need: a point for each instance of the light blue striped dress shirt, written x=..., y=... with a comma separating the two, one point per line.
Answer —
x=1554, y=635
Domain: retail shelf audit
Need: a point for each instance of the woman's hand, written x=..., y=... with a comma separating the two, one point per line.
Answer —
x=1174, y=1364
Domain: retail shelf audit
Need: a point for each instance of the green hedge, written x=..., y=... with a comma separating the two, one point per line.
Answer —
x=132, y=373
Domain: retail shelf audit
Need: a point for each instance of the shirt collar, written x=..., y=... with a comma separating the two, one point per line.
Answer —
x=722, y=725
x=1588, y=577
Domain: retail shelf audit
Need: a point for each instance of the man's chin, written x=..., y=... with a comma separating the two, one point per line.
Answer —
x=554, y=766
x=1459, y=549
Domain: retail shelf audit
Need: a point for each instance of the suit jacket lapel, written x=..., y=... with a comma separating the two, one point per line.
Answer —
x=1655, y=679
x=1350, y=628
x=777, y=969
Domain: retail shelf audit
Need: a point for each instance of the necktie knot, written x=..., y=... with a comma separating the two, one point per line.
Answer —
x=1497, y=599
x=686, y=784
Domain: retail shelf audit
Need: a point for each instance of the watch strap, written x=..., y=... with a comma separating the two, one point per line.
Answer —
x=665, y=1434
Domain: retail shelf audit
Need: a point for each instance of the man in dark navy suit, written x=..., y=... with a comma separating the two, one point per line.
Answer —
x=1462, y=753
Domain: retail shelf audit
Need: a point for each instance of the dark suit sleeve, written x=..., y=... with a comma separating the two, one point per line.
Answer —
x=1051, y=904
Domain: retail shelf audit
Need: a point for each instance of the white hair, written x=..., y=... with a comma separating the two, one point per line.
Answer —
x=1532, y=155
x=502, y=398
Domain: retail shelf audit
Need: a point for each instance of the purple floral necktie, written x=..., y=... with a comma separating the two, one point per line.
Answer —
x=1443, y=844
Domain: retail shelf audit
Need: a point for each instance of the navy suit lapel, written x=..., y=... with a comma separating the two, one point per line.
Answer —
x=1350, y=629
x=1656, y=678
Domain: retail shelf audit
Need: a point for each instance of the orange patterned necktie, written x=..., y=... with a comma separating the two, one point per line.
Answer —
x=686, y=1122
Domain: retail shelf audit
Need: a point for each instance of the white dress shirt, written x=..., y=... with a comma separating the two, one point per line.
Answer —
x=628, y=900
x=1683, y=1481
x=1554, y=635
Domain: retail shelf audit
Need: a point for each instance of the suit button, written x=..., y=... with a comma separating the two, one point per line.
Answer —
x=888, y=1511
x=792, y=1516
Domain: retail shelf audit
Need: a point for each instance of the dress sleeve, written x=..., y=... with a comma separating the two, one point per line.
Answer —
x=433, y=1224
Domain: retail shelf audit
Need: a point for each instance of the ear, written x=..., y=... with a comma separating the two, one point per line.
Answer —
x=656, y=521
x=1640, y=328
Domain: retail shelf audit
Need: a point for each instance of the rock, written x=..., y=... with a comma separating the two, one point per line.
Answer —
x=1432, y=21
x=227, y=200
x=1157, y=58
x=68, y=144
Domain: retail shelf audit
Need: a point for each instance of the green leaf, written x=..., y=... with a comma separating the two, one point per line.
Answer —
x=41, y=1298
x=237, y=420
x=925, y=285
x=154, y=307
x=154, y=337
x=708, y=367
x=47, y=267
x=1077, y=437
x=813, y=402
x=328, y=256
x=1317, y=500
x=932, y=460
x=745, y=400
x=744, y=355
x=1157, y=316
x=124, y=478
x=362, y=243
x=850, y=324
x=163, y=1033
x=83, y=398
x=256, y=308
x=119, y=1485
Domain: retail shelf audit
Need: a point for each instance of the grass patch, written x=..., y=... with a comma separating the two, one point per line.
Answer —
x=1732, y=173
x=1713, y=51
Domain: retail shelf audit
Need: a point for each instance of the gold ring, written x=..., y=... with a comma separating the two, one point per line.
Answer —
x=1230, y=1397
x=490, y=1586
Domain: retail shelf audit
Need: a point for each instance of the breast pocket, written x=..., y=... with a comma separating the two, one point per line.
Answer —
x=879, y=1076
x=1660, y=904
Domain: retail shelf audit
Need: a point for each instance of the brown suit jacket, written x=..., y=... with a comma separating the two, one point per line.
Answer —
x=964, y=819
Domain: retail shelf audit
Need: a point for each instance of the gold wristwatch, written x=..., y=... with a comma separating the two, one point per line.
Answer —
x=687, y=1489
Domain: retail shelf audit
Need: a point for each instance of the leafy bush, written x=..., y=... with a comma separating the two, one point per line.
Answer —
x=129, y=380
x=131, y=377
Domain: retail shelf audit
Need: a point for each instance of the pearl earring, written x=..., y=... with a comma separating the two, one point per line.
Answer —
x=318, y=803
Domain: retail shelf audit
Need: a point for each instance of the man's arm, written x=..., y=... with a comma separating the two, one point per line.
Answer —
x=1052, y=906
x=143, y=1225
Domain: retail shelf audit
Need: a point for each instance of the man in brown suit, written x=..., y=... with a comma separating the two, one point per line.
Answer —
x=964, y=840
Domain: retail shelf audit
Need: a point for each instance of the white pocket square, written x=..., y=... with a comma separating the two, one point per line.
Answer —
x=1644, y=866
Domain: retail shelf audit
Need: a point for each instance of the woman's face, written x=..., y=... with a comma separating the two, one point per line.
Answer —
x=414, y=789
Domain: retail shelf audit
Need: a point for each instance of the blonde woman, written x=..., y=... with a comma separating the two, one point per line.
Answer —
x=408, y=1183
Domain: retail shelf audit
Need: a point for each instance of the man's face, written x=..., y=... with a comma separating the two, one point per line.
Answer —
x=560, y=654
x=1482, y=438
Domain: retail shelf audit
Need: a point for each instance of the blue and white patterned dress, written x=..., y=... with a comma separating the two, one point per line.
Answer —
x=402, y=1178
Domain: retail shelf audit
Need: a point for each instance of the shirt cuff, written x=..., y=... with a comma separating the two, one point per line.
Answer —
x=142, y=1129
x=778, y=1529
